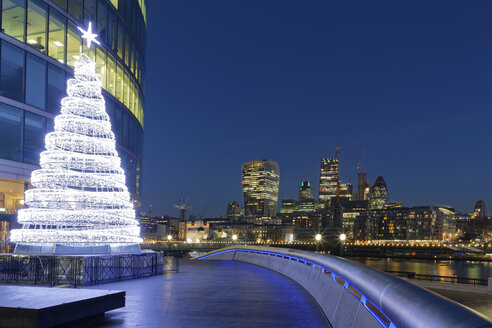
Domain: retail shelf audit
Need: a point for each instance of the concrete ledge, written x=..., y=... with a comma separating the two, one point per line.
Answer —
x=47, y=307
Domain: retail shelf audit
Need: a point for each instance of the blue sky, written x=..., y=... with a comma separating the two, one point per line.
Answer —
x=233, y=81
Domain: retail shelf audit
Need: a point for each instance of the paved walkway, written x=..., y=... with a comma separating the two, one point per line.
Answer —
x=478, y=298
x=214, y=294
x=481, y=303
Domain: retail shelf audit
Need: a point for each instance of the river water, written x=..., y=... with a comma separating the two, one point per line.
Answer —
x=468, y=269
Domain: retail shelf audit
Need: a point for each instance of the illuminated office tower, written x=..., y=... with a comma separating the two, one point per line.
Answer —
x=346, y=190
x=260, y=180
x=233, y=211
x=328, y=178
x=289, y=206
x=480, y=211
x=378, y=196
x=305, y=191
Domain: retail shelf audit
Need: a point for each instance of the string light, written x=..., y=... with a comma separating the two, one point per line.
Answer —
x=79, y=196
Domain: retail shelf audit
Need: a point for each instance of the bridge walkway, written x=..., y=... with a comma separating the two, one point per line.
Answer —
x=214, y=294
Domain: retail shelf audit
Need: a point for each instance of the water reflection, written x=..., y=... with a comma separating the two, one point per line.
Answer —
x=468, y=269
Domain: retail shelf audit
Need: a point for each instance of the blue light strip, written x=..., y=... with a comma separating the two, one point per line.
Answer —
x=346, y=284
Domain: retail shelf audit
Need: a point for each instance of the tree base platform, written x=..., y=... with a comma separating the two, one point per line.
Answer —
x=78, y=270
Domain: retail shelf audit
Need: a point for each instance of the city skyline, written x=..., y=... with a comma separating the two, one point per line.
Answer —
x=318, y=76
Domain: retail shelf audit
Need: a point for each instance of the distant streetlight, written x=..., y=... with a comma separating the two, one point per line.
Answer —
x=169, y=238
x=318, y=239
x=234, y=238
x=342, y=239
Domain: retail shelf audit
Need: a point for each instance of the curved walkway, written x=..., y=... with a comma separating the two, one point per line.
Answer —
x=215, y=294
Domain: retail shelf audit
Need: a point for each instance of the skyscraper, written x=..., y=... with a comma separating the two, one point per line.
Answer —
x=305, y=191
x=260, y=180
x=328, y=178
x=378, y=196
x=362, y=187
x=39, y=45
x=233, y=211
x=480, y=211
x=346, y=190
x=289, y=206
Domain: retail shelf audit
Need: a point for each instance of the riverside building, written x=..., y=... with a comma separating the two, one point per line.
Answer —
x=39, y=43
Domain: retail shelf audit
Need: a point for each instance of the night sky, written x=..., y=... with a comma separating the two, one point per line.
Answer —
x=232, y=81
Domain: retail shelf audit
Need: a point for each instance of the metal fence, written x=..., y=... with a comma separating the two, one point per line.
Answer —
x=79, y=270
x=443, y=279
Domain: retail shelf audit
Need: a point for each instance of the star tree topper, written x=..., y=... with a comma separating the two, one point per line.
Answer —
x=88, y=35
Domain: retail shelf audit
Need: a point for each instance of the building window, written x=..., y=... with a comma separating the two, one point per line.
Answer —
x=12, y=72
x=119, y=82
x=75, y=8
x=102, y=20
x=121, y=39
x=61, y=3
x=126, y=89
x=127, y=48
x=118, y=122
x=34, y=131
x=132, y=59
x=35, y=81
x=74, y=44
x=55, y=89
x=111, y=77
x=36, y=24
x=112, y=30
x=110, y=111
x=101, y=65
x=124, y=131
x=50, y=126
x=89, y=12
x=56, y=34
x=13, y=18
x=10, y=132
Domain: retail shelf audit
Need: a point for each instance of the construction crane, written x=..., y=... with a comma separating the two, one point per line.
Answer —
x=182, y=207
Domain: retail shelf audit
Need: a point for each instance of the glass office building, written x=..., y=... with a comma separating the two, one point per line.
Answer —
x=328, y=179
x=39, y=43
x=260, y=181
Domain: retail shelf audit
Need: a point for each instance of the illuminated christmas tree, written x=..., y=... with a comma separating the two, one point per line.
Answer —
x=79, y=196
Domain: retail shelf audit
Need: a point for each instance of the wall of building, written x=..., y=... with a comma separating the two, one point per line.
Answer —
x=39, y=43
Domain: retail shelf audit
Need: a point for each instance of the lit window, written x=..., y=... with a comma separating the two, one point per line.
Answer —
x=56, y=34
x=101, y=65
x=74, y=45
x=111, y=75
x=13, y=18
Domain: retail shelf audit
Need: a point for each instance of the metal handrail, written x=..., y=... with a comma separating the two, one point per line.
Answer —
x=445, y=279
x=385, y=296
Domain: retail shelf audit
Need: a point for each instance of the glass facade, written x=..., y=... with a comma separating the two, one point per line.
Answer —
x=39, y=44
x=328, y=179
x=260, y=180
